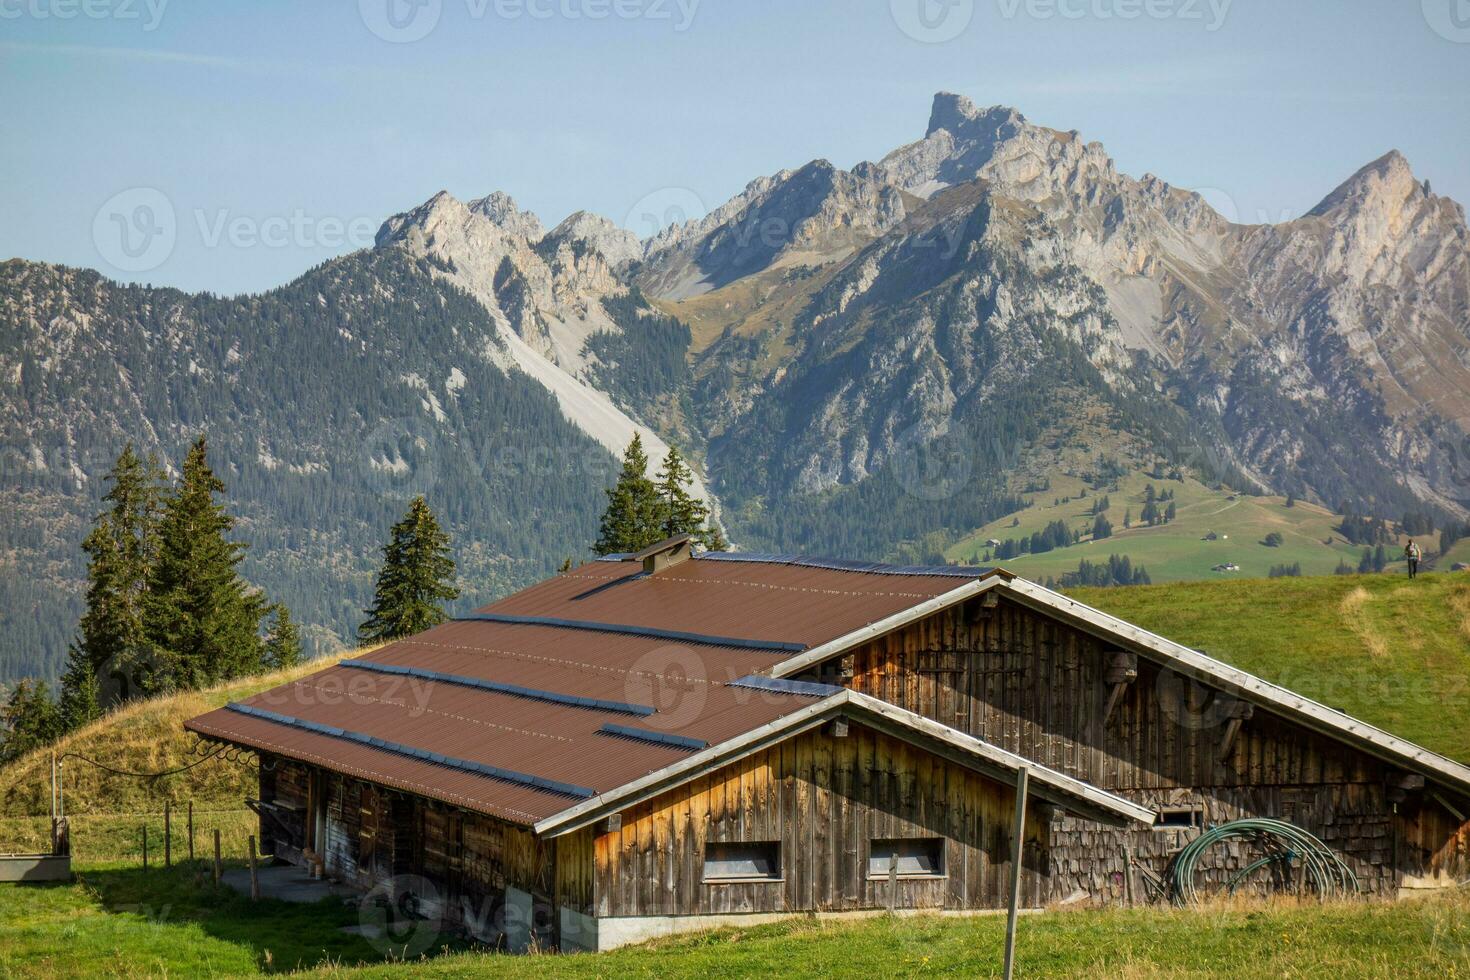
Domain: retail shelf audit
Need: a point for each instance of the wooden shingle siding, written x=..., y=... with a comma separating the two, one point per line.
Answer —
x=1035, y=686
x=824, y=798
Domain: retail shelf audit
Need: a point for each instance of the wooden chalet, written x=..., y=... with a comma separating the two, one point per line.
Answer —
x=665, y=741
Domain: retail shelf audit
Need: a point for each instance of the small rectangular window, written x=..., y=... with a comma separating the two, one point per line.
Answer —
x=917, y=857
x=1176, y=817
x=758, y=861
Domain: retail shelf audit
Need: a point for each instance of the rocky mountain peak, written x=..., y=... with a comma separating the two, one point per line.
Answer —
x=958, y=115
x=503, y=211
x=618, y=246
x=1389, y=178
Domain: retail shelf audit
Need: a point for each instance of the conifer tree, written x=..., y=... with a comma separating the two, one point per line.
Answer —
x=120, y=552
x=634, y=518
x=685, y=513
x=203, y=620
x=417, y=578
x=81, y=695
x=30, y=719
x=282, y=640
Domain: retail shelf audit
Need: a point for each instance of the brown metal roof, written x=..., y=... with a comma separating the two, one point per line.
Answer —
x=684, y=681
x=774, y=601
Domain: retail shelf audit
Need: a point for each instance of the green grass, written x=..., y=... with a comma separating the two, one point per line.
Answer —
x=1392, y=652
x=1176, y=551
x=127, y=923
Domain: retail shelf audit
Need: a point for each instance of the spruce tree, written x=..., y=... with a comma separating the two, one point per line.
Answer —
x=203, y=620
x=685, y=513
x=634, y=518
x=416, y=579
x=282, y=639
x=29, y=720
x=81, y=694
x=120, y=552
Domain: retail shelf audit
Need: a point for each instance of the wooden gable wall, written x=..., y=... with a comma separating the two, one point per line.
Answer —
x=824, y=798
x=1036, y=686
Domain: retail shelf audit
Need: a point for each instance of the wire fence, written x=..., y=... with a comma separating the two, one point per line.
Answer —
x=123, y=838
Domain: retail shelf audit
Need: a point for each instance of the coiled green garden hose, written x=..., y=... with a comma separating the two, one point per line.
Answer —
x=1286, y=846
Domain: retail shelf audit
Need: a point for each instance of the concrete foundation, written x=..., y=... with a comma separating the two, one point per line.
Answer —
x=615, y=931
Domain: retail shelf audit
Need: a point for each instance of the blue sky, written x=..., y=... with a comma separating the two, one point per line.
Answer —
x=280, y=134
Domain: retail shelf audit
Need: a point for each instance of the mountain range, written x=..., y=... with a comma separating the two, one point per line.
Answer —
x=857, y=360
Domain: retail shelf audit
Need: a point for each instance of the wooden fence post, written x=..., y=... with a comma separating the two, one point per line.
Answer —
x=1018, y=842
x=191, y=831
x=168, y=836
x=216, y=856
x=254, y=881
x=145, y=847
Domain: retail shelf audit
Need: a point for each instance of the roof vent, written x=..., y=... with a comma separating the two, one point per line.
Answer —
x=667, y=553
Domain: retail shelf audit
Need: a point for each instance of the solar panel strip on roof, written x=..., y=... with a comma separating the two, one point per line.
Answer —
x=845, y=565
x=582, y=624
x=398, y=748
x=535, y=694
x=762, y=683
x=648, y=735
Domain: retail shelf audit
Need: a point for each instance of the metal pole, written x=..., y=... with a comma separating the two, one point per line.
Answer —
x=1018, y=841
x=254, y=881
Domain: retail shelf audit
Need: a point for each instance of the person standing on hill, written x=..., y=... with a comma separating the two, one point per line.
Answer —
x=1412, y=554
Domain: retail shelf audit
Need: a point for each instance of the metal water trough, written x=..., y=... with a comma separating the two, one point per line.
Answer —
x=35, y=867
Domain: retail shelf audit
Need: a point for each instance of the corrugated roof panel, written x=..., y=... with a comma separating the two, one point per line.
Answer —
x=459, y=691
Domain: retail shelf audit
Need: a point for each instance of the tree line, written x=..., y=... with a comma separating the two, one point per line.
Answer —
x=166, y=607
x=167, y=610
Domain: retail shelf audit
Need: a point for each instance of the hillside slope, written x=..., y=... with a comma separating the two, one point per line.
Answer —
x=145, y=736
x=1391, y=652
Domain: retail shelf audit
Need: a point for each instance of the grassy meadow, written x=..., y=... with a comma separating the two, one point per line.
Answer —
x=1176, y=551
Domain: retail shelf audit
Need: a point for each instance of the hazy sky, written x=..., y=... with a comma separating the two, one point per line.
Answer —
x=281, y=134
